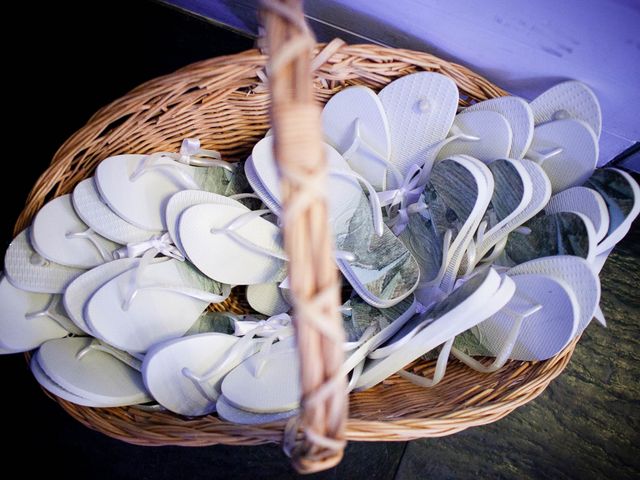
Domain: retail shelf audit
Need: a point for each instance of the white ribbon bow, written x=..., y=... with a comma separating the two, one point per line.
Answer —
x=262, y=328
x=406, y=195
x=160, y=243
x=192, y=154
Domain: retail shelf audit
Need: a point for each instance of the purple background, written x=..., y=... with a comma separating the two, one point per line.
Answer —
x=524, y=46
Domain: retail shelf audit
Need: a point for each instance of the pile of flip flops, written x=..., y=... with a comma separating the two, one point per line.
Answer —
x=468, y=232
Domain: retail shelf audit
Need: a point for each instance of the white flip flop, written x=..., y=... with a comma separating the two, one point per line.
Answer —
x=483, y=134
x=101, y=219
x=28, y=270
x=78, y=293
x=504, y=293
x=164, y=366
x=541, y=193
x=507, y=205
x=93, y=371
x=8, y=351
x=585, y=201
x=520, y=117
x=458, y=194
x=460, y=311
x=151, y=303
x=45, y=382
x=266, y=384
x=575, y=272
x=232, y=244
x=567, y=150
x=259, y=189
x=455, y=198
x=185, y=374
x=138, y=187
x=28, y=319
x=268, y=298
x=464, y=237
x=229, y=413
x=420, y=108
x=355, y=124
x=60, y=236
x=537, y=324
x=570, y=99
x=182, y=200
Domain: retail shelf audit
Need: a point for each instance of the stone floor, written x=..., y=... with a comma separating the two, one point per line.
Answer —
x=584, y=426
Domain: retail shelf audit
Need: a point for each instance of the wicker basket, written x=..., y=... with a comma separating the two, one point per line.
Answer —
x=225, y=102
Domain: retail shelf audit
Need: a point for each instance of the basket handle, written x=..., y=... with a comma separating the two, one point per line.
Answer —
x=315, y=439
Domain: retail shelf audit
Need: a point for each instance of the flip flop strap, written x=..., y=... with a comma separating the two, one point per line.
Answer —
x=359, y=142
x=92, y=237
x=447, y=239
x=355, y=375
x=438, y=374
x=238, y=222
x=124, y=357
x=198, y=294
x=150, y=163
x=509, y=344
x=434, y=150
x=541, y=157
x=50, y=312
x=230, y=230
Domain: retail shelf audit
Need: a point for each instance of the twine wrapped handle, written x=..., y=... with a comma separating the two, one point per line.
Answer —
x=315, y=439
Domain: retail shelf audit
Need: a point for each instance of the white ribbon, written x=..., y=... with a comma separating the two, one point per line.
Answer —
x=406, y=196
x=261, y=328
x=192, y=154
x=160, y=243
x=408, y=192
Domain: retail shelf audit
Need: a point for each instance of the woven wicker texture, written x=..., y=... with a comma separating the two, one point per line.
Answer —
x=315, y=286
x=225, y=102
